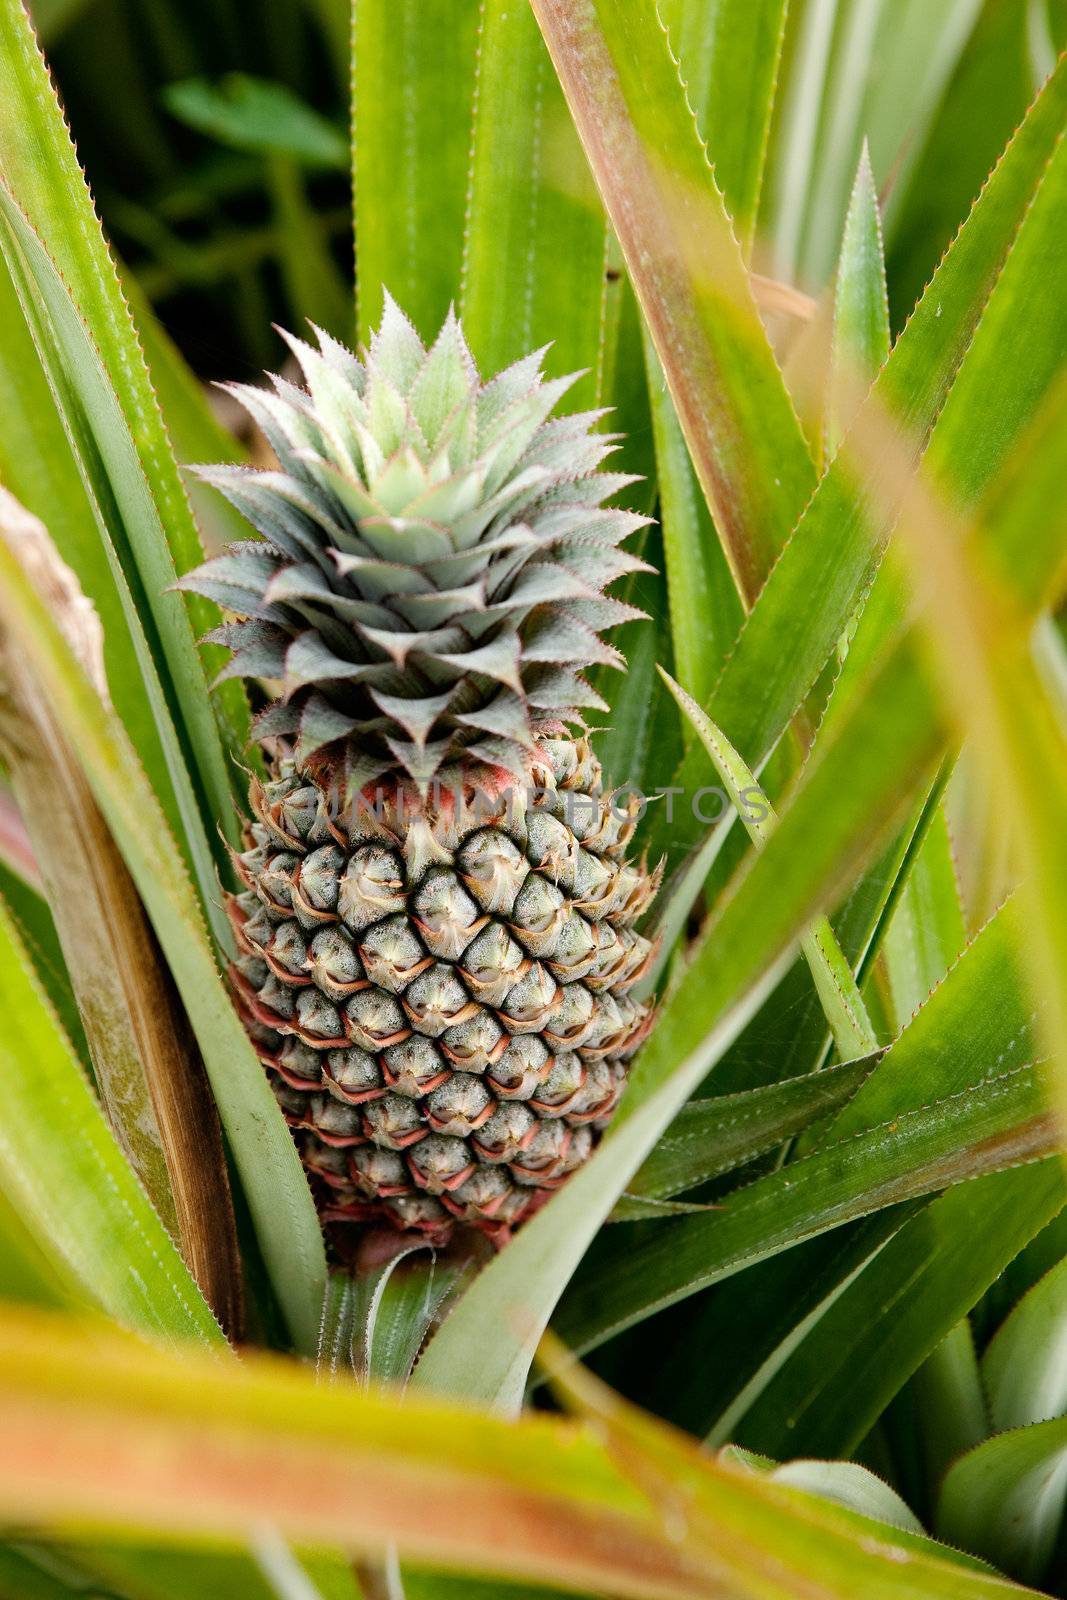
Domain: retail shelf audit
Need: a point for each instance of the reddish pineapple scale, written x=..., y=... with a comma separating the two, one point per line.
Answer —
x=440, y=985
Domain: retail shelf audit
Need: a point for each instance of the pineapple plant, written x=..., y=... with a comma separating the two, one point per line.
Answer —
x=437, y=932
x=349, y=1042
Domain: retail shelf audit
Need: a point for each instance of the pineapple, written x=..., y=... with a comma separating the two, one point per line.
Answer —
x=437, y=934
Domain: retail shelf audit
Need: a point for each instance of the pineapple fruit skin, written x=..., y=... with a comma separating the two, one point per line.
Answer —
x=439, y=985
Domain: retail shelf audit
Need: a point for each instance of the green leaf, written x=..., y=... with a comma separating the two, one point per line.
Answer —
x=788, y=1036
x=845, y=1482
x=565, y=1508
x=755, y=1319
x=927, y=931
x=706, y=611
x=621, y=82
x=985, y=100
x=668, y=1466
x=1023, y=1367
x=878, y=69
x=255, y=114
x=828, y=1378
x=974, y=439
x=313, y=283
x=838, y=991
x=861, y=309
x=29, y=1271
x=978, y=1020
x=377, y=1319
x=729, y=54
x=981, y=641
x=24, y=1578
x=413, y=81
x=535, y=255
x=176, y=1574
x=917, y=49
x=73, y=273
x=713, y=1136
x=794, y=137
x=947, y=1393
x=91, y=412
x=37, y=934
x=196, y=436
x=61, y=1169
x=38, y=467
x=984, y=1129
x=834, y=552
x=837, y=127
x=1005, y=1498
x=834, y=1377
x=282, y=1210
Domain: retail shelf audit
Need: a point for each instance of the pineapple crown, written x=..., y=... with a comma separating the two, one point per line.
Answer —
x=429, y=581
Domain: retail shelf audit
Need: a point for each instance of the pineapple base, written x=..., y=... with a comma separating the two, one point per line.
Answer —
x=438, y=984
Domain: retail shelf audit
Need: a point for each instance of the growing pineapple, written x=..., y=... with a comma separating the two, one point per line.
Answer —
x=437, y=936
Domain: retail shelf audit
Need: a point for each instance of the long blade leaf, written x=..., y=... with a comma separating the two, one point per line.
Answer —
x=621, y=83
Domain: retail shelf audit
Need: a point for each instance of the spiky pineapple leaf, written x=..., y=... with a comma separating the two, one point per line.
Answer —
x=880, y=69
x=37, y=932
x=917, y=48
x=729, y=55
x=843, y=1481
x=715, y=1135
x=577, y=1506
x=753, y=1320
x=274, y=1184
x=979, y=1018
x=535, y=248
x=706, y=610
x=127, y=518
x=824, y=1379
x=833, y=553
x=791, y=158
x=195, y=432
x=927, y=931
x=979, y=632
x=663, y=1461
x=992, y=1126
x=39, y=165
x=839, y=994
x=1004, y=1499
x=63, y=1173
x=413, y=85
x=375, y=1321
x=631, y=113
x=1023, y=1368
x=825, y=1386
x=986, y=97
x=861, y=337
x=39, y=468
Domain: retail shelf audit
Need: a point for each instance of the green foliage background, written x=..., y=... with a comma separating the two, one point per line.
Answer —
x=810, y=254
